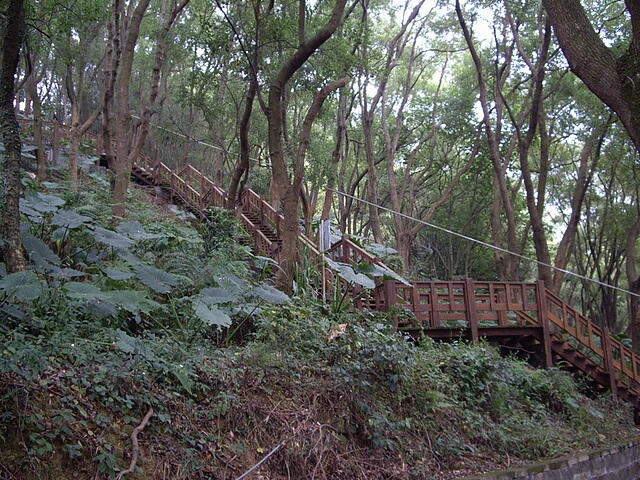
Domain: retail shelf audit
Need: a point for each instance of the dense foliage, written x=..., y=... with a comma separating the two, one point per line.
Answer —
x=108, y=323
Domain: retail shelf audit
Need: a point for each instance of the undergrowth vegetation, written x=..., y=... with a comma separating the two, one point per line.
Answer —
x=159, y=317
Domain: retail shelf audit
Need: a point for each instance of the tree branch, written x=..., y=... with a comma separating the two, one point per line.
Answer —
x=135, y=447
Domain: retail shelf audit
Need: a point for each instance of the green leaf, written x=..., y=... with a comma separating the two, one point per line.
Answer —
x=232, y=283
x=156, y=279
x=115, y=274
x=63, y=273
x=23, y=286
x=111, y=238
x=346, y=272
x=69, y=219
x=270, y=294
x=83, y=291
x=210, y=314
x=133, y=301
x=134, y=346
x=41, y=202
x=135, y=231
x=215, y=295
x=37, y=249
x=183, y=378
x=380, y=250
x=378, y=271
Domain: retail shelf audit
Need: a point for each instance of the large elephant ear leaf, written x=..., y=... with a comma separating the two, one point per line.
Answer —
x=232, y=283
x=41, y=202
x=69, y=219
x=37, y=250
x=387, y=274
x=270, y=294
x=133, y=301
x=210, y=314
x=217, y=295
x=346, y=272
x=111, y=238
x=158, y=280
x=22, y=286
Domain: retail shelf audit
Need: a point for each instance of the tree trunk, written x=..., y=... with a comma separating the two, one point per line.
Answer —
x=242, y=167
x=127, y=147
x=613, y=80
x=31, y=86
x=506, y=264
x=634, y=284
x=586, y=170
x=336, y=155
x=11, y=36
x=289, y=190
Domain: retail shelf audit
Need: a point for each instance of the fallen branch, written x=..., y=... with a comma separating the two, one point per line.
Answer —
x=248, y=472
x=135, y=447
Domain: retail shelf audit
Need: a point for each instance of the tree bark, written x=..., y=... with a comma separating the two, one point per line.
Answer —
x=634, y=284
x=11, y=37
x=289, y=189
x=119, y=124
x=506, y=265
x=242, y=167
x=613, y=80
x=337, y=154
x=31, y=86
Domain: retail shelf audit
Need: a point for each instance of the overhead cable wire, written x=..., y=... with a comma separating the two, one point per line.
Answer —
x=484, y=244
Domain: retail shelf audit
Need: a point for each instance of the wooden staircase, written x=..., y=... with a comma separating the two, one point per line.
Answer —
x=522, y=318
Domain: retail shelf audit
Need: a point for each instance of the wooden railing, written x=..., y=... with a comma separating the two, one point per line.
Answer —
x=472, y=305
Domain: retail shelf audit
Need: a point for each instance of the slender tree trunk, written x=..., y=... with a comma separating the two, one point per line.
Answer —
x=242, y=167
x=11, y=37
x=634, y=284
x=372, y=177
x=586, y=170
x=506, y=265
x=337, y=154
x=31, y=85
x=289, y=190
x=128, y=147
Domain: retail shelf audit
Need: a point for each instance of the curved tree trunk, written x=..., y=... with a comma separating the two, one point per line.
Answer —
x=613, y=80
x=242, y=167
x=289, y=189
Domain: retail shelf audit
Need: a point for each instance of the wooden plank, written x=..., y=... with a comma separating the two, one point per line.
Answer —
x=544, y=323
x=471, y=312
x=608, y=362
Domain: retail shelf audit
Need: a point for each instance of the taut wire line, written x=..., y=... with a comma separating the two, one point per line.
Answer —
x=485, y=244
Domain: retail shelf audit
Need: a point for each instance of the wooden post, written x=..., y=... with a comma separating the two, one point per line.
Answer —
x=433, y=301
x=543, y=320
x=343, y=252
x=390, y=299
x=608, y=361
x=99, y=145
x=357, y=296
x=470, y=309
